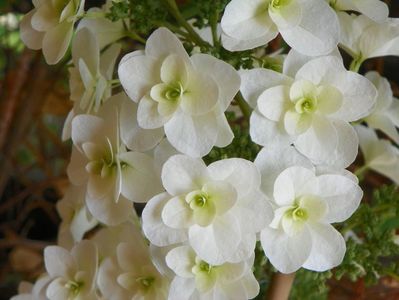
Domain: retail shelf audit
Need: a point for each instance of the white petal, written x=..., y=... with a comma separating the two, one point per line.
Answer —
x=56, y=42
x=85, y=128
x=57, y=290
x=374, y=9
x=380, y=121
x=153, y=227
x=181, y=288
x=85, y=47
x=59, y=262
x=192, y=135
x=272, y=160
x=287, y=254
x=246, y=20
x=217, y=242
x=177, y=213
x=234, y=44
x=181, y=260
x=108, y=59
x=286, y=16
x=76, y=171
x=225, y=76
x=265, y=132
x=138, y=73
x=139, y=180
x=328, y=248
x=231, y=170
x=148, y=116
x=174, y=70
x=273, y=102
x=225, y=134
x=254, y=82
x=32, y=39
x=85, y=254
x=310, y=37
x=290, y=184
x=132, y=257
x=223, y=195
x=342, y=195
x=162, y=43
x=182, y=174
x=107, y=280
x=109, y=212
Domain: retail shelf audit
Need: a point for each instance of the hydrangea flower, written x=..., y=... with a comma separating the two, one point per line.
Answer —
x=310, y=105
x=90, y=77
x=305, y=204
x=308, y=26
x=49, y=26
x=209, y=207
x=197, y=279
x=362, y=38
x=76, y=219
x=73, y=274
x=113, y=175
x=376, y=10
x=130, y=274
x=379, y=155
x=385, y=115
x=186, y=95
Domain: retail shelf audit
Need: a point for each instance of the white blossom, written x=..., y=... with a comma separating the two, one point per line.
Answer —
x=90, y=77
x=76, y=219
x=310, y=105
x=185, y=95
x=379, y=155
x=362, y=38
x=305, y=204
x=113, y=175
x=385, y=115
x=130, y=274
x=73, y=273
x=197, y=279
x=49, y=26
x=209, y=207
x=309, y=26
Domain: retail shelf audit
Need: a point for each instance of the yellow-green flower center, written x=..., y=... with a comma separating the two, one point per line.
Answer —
x=74, y=287
x=146, y=282
x=306, y=105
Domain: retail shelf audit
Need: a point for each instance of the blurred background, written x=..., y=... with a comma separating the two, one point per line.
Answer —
x=34, y=101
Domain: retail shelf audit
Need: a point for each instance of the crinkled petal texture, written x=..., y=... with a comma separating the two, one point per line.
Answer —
x=312, y=36
x=374, y=9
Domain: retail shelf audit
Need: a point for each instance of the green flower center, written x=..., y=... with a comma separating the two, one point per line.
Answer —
x=74, y=287
x=174, y=91
x=277, y=4
x=306, y=105
x=199, y=200
x=146, y=282
x=297, y=213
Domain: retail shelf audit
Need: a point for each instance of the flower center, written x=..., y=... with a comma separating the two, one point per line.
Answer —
x=277, y=4
x=174, y=91
x=74, y=287
x=297, y=214
x=306, y=105
x=198, y=200
x=145, y=282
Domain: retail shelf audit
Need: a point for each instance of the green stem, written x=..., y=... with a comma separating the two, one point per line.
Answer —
x=214, y=27
x=175, y=12
x=356, y=63
x=135, y=36
x=245, y=108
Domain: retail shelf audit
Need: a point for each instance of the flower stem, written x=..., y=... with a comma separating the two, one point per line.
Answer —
x=245, y=108
x=134, y=36
x=280, y=286
x=361, y=171
x=175, y=12
x=356, y=63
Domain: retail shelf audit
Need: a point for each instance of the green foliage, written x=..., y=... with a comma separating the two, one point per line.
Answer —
x=310, y=285
x=119, y=10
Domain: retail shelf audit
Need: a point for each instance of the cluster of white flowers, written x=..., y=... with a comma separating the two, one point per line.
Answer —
x=196, y=236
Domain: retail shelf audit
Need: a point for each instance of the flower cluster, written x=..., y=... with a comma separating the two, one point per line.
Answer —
x=141, y=137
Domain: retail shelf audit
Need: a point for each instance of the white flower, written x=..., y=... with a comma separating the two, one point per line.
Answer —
x=185, y=95
x=37, y=291
x=131, y=274
x=73, y=274
x=90, y=77
x=385, y=115
x=50, y=26
x=113, y=175
x=305, y=203
x=210, y=207
x=309, y=26
x=374, y=9
x=362, y=38
x=379, y=155
x=197, y=279
x=76, y=219
x=311, y=107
